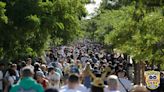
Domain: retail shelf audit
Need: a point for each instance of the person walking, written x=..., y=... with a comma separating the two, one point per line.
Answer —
x=73, y=84
x=29, y=63
x=125, y=84
x=10, y=80
x=40, y=77
x=54, y=78
x=113, y=84
x=27, y=83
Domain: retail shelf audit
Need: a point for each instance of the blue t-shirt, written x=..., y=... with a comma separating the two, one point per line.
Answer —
x=87, y=81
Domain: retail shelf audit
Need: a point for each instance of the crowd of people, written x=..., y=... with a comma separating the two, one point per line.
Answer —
x=80, y=68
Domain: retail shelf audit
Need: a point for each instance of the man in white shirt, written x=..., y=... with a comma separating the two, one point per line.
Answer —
x=113, y=84
x=81, y=87
x=73, y=84
x=125, y=84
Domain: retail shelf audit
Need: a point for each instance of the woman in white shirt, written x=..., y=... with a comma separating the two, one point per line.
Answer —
x=54, y=78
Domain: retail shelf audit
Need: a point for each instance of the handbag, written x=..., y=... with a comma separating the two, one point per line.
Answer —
x=123, y=85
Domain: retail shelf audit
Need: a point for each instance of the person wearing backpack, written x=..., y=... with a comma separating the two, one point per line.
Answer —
x=10, y=80
x=27, y=83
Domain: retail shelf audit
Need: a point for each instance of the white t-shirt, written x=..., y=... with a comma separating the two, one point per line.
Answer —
x=31, y=67
x=12, y=79
x=107, y=90
x=126, y=83
x=54, y=80
x=82, y=88
x=66, y=89
x=54, y=86
x=55, y=76
x=1, y=77
x=69, y=90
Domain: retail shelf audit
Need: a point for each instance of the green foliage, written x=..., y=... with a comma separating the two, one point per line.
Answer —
x=32, y=21
x=162, y=66
x=3, y=18
x=85, y=1
x=90, y=28
x=140, y=39
x=28, y=25
x=115, y=4
x=133, y=29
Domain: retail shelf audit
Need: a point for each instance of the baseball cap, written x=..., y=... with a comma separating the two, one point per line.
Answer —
x=74, y=69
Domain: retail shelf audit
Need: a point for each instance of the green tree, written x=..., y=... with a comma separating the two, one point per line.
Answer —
x=3, y=20
x=29, y=25
x=136, y=29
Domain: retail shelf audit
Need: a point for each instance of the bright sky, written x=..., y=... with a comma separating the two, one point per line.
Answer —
x=91, y=8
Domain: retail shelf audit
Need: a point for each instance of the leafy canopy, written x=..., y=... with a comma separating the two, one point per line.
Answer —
x=28, y=26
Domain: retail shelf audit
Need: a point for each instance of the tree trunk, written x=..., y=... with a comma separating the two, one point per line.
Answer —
x=136, y=73
x=142, y=70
